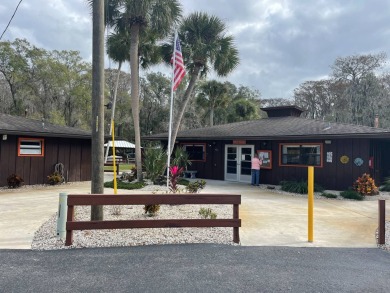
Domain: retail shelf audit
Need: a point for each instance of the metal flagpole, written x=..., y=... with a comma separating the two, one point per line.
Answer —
x=171, y=108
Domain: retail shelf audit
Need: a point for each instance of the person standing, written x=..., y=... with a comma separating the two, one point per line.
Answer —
x=256, y=163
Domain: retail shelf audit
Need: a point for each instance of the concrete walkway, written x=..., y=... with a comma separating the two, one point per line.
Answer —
x=268, y=218
x=274, y=219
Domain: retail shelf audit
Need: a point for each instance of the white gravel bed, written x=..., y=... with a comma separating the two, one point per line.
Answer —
x=45, y=238
x=385, y=246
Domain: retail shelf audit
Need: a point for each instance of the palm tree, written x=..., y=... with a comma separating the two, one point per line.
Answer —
x=149, y=20
x=118, y=47
x=204, y=45
x=212, y=95
x=153, y=18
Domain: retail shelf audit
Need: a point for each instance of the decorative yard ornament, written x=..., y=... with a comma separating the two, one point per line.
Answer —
x=358, y=162
x=344, y=159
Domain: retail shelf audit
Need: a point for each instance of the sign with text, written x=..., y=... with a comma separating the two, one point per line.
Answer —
x=241, y=142
x=266, y=157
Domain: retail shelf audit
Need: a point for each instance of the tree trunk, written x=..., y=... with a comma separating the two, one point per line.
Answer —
x=97, y=183
x=211, y=116
x=113, y=108
x=187, y=97
x=134, y=71
x=115, y=94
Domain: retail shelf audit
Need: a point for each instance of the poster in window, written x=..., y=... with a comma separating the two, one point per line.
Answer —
x=266, y=156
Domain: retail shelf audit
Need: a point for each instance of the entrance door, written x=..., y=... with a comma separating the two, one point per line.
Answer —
x=238, y=162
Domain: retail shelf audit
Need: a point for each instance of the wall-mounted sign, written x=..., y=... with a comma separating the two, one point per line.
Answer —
x=240, y=142
x=358, y=162
x=344, y=159
x=329, y=157
x=266, y=157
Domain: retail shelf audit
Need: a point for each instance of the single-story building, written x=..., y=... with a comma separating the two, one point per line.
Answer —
x=288, y=144
x=32, y=149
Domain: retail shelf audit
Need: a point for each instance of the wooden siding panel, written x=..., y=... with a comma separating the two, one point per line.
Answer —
x=51, y=155
x=7, y=159
x=75, y=162
x=37, y=175
x=74, y=153
x=86, y=164
x=64, y=157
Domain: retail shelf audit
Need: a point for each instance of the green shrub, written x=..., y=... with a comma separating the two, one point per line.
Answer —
x=206, y=213
x=194, y=187
x=386, y=185
x=55, y=178
x=154, y=163
x=298, y=186
x=125, y=176
x=351, y=194
x=181, y=158
x=124, y=185
x=183, y=181
x=329, y=195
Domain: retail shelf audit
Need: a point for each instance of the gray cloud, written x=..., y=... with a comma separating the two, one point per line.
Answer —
x=282, y=43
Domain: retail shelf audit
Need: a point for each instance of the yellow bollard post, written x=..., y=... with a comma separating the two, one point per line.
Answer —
x=310, y=197
x=113, y=156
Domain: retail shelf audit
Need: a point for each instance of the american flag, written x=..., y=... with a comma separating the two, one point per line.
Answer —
x=179, y=70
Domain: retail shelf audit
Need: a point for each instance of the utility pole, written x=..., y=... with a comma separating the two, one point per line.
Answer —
x=97, y=182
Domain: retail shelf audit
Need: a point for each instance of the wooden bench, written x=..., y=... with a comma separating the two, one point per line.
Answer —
x=190, y=174
x=151, y=199
x=110, y=164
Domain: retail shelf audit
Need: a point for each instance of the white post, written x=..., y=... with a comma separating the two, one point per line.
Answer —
x=171, y=108
x=61, y=215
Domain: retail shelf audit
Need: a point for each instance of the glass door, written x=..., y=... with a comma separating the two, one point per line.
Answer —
x=238, y=162
x=246, y=153
x=231, y=171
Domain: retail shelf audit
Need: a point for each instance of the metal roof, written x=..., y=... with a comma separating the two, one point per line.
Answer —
x=121, y=144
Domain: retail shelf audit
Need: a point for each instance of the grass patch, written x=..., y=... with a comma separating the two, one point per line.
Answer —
x=124, y=185
x=351, y=194
x=329, y=195
x=298, y=187
x=122, y=167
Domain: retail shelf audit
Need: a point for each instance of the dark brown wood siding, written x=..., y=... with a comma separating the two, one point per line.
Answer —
x=74, y=154
x=332, y=175
x=380, y=152
x=213, y=167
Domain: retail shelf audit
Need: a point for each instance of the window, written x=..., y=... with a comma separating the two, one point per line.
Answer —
x=301, y=154
x=196, y=152
x=32, y=147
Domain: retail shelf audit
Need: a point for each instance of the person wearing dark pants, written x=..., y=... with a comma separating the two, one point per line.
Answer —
x=256, y=163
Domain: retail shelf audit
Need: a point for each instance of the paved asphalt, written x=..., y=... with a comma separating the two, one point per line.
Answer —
x=196, y=268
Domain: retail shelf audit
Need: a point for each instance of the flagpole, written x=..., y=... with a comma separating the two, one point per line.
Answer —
x=171, y=108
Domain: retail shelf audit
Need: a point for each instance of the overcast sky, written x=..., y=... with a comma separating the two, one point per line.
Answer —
x=281, y=43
